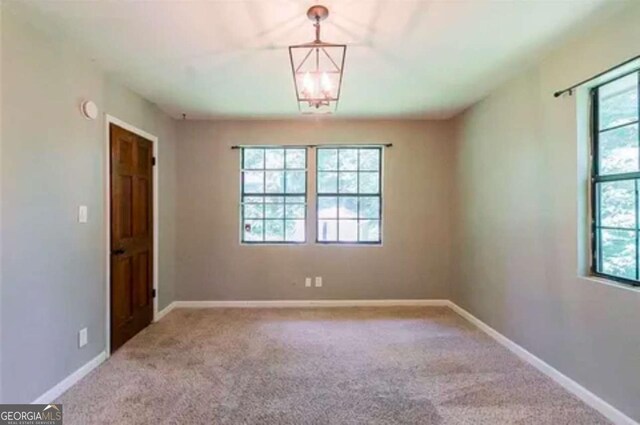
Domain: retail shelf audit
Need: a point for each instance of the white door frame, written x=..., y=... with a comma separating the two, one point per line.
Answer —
x=109, y=119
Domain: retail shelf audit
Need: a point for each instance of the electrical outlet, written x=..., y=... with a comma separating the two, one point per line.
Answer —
x=307, y=282
x=82, y=337
x=83, y=214
x=318, y=281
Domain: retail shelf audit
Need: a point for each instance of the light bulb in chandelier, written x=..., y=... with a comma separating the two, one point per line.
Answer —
x=308, y=85
x=325, y=83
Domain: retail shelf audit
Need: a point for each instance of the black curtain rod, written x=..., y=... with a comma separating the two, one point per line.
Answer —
x=387, y=145
x=573, y=87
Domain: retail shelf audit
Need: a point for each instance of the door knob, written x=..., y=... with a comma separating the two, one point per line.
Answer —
x=118, y=252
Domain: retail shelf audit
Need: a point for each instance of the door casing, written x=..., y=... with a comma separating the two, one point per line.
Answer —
x=109, y=119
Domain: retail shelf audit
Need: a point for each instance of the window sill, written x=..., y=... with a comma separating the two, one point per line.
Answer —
x=349, y=244
x=306, y=244
x=284, y=244
x=609, y=282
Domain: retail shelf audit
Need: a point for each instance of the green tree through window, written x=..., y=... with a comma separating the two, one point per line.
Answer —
x=274, y=195
x=349, y=189
x=615, y=180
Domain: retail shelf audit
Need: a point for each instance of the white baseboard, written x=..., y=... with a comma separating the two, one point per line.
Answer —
x=305, y=304
x=607, y=410
x=70, y=380
x=164, y=311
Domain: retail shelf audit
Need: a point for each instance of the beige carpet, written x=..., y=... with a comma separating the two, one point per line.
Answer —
x=318, y=366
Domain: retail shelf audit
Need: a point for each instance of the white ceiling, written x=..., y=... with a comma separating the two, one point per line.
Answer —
x=217, y=59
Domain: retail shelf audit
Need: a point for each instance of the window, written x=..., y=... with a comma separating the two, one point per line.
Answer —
x=274, y=195
x=349, y=203
x=616, y=177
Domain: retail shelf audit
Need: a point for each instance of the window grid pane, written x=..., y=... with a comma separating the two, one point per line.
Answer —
x=273, y=195
x=616, y=179
x=348, y=179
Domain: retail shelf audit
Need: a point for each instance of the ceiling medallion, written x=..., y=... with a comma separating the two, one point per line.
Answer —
x=317, y=69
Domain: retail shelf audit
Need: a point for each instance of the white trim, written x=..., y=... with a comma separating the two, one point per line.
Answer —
x=308, y=303
x=164, y=311
x=611, y=283
x=70, y=380
x=610, y=412
x=109, y=119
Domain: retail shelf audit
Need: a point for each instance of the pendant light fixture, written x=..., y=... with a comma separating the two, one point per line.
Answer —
x=317, y=69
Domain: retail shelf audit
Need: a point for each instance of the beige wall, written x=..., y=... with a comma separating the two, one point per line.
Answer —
x=53, y=275
x=520, y=239
x=412, y=263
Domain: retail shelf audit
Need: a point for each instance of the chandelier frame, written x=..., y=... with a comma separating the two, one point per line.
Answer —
x=315, y=50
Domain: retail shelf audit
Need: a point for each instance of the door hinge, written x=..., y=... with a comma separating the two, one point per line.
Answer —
x=153, y=160
x=153, y=293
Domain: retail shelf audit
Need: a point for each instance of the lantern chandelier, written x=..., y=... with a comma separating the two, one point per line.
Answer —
x=317, y=69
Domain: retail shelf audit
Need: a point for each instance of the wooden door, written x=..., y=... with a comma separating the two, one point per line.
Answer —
x=131, y=235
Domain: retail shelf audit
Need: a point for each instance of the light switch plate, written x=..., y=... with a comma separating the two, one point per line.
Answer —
x=82, y=337
x=83, y=214
x=307, y=282
x=318, y=281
